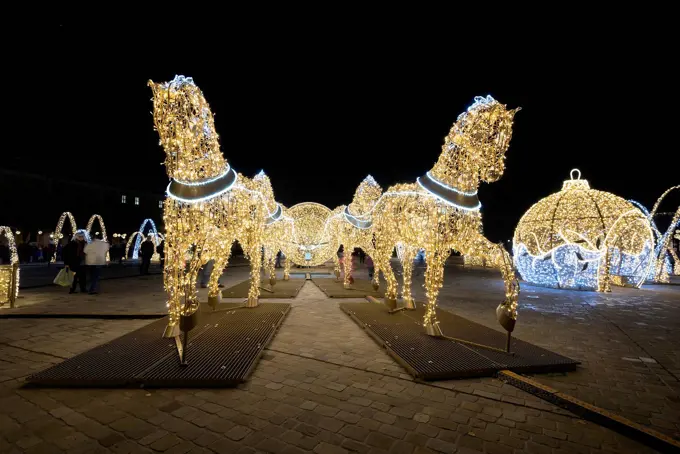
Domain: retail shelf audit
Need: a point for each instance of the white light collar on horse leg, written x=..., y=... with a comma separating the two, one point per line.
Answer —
x=200, y=191
x=451, y=195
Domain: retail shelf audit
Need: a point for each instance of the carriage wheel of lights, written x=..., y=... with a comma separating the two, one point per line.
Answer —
x=311, y=242
x=663, y=252
x=581, y=238
x=9, y=273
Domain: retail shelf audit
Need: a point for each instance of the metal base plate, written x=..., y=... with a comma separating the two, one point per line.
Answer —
x=360, y=289
x=223, y=350
x=282, y=289
x=431, y=358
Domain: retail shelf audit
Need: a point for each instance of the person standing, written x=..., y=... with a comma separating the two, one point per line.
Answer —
x=160, y=249
x=278, y=260
x=74, y=260
x=370, y=266
x=362, y=256
x=147, y=250
x=95, y=258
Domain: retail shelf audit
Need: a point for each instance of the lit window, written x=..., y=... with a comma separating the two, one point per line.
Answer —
x=136, y=200
x=160, y=204
x=123, y=199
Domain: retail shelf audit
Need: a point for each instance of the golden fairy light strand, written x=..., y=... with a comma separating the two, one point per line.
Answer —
x=9, y=273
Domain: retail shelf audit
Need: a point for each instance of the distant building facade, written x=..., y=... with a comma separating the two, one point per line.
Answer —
x=32, y=203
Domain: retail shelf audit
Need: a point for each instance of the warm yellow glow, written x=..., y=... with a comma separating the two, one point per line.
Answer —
x=9, y=272
x=215, y=209
x=311, y=242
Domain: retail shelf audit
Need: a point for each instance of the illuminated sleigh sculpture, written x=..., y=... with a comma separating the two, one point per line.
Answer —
x=441, y=211
x=209, y=205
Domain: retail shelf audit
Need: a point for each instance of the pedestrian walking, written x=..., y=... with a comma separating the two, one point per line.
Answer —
x=160, y=249
x=74, y=260
x=278, y=260
x=95, y=258
x=147, y=250
x=370, y=266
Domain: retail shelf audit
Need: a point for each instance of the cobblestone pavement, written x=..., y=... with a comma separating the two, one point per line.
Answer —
x=324, y=386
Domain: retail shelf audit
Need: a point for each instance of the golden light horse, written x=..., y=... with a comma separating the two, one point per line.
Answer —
x=209, y=205
x=440, y=211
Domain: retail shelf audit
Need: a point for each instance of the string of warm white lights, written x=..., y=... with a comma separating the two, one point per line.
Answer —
x=9, y=272
x=210, y=206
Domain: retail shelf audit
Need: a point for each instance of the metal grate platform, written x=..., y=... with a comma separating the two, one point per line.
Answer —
x=282, y=289
x=430, y=358
x=360, y=289
x=223, y=350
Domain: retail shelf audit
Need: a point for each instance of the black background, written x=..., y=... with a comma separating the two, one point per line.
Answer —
x=320, y=107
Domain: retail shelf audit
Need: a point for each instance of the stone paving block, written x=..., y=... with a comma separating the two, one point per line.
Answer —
x=379, y=440
x=437, y=445
x=325, y=448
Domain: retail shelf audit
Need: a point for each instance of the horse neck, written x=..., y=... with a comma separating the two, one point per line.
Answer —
x=455, y=169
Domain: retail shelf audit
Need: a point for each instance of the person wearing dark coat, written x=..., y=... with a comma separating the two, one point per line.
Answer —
x=74, y=260
x=147, y=251
x=161, y=253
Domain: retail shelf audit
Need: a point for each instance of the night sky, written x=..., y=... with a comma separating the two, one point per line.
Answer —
x=318, y=111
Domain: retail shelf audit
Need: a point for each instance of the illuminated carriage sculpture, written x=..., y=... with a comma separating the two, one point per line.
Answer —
x=581, y=238
x=209, y=205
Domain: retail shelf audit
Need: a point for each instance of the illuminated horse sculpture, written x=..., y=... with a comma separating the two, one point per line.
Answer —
x=441, y=211
x=209, y=205
x=278, y=231
x=352, y=227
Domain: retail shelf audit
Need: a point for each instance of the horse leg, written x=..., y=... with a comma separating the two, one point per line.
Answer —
x=269, y=266
x=382, y=258
x=286, y=268
x=214, y=292
x=407, y=266
x=348, y=265
x=498, y=257
x=434, y=278
x=173, y=278
x=253, y=253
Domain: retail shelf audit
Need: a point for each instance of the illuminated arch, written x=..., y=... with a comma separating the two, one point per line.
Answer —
x=140, y=234
x=101, y=225
x=7, y=281
x=60, y=226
